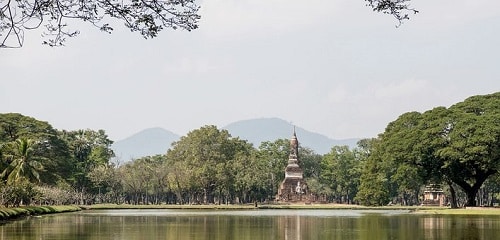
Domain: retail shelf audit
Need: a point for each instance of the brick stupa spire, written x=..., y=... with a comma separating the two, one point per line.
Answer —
x=293, y=188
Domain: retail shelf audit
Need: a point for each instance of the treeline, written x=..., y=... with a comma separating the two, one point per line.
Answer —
x=457, y=148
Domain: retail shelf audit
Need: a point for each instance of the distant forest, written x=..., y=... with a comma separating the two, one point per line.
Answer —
x=455, y=148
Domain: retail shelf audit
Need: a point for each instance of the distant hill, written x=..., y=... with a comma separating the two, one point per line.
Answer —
x=270, y=129
x=155, y=141
x=147, y=142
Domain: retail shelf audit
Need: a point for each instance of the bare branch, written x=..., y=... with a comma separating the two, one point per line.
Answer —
x=146, y=17
x=399, y=9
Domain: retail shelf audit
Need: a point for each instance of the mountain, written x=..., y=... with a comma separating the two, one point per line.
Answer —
x=270, y=129
x=148, y=142
x=155, y=141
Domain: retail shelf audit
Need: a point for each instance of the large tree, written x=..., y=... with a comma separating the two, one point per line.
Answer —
x=148, y=17
x=472, y=152
x=48, y=145
x=457, y=145
x=208, y=155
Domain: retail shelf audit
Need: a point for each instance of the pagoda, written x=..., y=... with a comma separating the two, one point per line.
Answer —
x=293, y=188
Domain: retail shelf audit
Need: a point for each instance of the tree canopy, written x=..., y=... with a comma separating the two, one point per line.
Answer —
x=455, y=148
x=21, y=162
x=147, y=17
x=456, y=145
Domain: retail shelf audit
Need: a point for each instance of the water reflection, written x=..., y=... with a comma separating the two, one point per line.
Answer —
x=268, y=224
x=461, y=227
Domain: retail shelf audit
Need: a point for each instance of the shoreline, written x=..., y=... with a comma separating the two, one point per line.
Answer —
x=412, y=209
x=259, y=206
x=7, y=214
x=251, y=206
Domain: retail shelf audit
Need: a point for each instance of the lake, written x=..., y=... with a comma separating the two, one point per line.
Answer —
x=251, y=225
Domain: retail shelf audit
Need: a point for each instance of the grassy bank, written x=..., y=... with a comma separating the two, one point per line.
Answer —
x=413, y=209
x=223, y=206
x=165, y=206
x=252, y=206
x=462, y=211
x=11, y=213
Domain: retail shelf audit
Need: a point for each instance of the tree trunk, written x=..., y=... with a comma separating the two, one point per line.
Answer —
x=471, y=191
x=453, y=201
x=471, y=197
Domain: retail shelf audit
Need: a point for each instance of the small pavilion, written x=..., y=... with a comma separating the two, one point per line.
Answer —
x=434, y=196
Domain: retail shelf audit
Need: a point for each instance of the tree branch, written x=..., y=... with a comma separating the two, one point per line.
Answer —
x=399, y=9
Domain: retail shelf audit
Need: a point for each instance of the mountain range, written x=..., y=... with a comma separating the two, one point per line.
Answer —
x=148, y=142
x=153, y=141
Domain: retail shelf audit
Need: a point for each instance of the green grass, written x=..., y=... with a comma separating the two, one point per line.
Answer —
x=413, y=209
x=11, y=213
x=7, y=213
x=462, y=211
x=223, y=206
x=167, y=206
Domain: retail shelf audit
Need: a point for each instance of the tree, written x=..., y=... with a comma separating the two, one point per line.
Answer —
x=374, y=187
x=491, y=190
x=135, y=177
x=404, y=162
x=105, y=179
x=22, y=163
x=310, y=162
x=209, y=155
x=472, y=152
x=275, y=156
x=49, y=145
x=148, y=17
x=15, y=125
x=457, y=145
x=341, y=173
x=88, y=149
x=253, y=180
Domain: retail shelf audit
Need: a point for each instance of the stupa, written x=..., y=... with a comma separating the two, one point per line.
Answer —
x=293, y=188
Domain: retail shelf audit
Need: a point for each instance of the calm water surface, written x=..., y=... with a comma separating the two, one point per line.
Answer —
x=251, y=224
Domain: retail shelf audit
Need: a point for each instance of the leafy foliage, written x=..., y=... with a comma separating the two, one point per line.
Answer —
x=45, y=144
x=22, y=191
x=399, y=9
x=457, y=145
x=148, y=17
x=21, y=162
x=209, y=156
x=375, y=187
x=340, y=171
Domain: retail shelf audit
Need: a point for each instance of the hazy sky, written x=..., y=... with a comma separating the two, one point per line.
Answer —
x=329, y=66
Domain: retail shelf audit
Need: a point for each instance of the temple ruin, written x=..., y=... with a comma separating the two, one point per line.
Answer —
x=293, y=188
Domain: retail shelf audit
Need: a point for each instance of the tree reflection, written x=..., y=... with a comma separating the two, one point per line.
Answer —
x=250, y=225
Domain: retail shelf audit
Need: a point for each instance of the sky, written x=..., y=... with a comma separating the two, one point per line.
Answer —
x=329, y=66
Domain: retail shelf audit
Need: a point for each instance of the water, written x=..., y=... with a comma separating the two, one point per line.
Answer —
x=251, y=224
